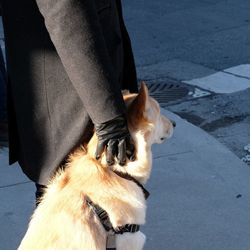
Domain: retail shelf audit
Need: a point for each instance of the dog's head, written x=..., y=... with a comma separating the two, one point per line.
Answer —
x=147, y=126
x=144, y=117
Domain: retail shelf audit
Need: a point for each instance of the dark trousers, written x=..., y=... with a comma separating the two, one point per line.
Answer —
x=2, y=88
x=39, y=193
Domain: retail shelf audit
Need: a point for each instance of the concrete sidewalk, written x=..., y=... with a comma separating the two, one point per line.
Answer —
x=200, y=196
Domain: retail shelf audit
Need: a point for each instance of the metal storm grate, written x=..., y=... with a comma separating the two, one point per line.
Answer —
x=174, y=92
x=167, y=92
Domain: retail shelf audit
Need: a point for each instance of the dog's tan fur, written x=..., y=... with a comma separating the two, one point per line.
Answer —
x=63, y=220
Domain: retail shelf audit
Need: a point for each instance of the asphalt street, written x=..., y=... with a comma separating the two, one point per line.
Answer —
x=211, y=33
x=182, y=40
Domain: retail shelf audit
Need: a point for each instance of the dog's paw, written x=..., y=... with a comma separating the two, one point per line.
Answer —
x=130, y=241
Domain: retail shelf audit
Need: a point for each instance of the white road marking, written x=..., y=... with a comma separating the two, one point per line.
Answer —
x=196, y=93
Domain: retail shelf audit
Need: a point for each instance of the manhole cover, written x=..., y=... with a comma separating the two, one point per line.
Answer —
x=167, y=92
x=172, y=92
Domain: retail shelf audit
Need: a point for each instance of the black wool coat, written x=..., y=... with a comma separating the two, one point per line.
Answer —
x=67, y=62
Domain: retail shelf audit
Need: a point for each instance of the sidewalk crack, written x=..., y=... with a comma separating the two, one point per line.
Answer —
x=15, y=184
x=239, y=76
x=167, y=155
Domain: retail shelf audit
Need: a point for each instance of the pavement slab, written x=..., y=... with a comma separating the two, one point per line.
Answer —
x=17, y=204
x=222, y=82
x=17, y=195
x=11, y=175
x=242, y=70
x=200, y=195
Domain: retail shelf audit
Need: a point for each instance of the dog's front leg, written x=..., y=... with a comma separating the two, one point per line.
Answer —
x=130, y=241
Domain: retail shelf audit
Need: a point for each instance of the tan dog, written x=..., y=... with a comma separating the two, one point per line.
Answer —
x=65, y=221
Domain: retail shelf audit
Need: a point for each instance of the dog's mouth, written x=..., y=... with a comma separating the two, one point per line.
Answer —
x=162, y=139
x=167, y=136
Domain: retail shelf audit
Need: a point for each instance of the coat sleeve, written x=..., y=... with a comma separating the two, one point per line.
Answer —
x=74, y=29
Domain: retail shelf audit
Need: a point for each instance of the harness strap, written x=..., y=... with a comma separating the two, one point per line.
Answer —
x=101, y=214
x=104, y=219
x=128, y=228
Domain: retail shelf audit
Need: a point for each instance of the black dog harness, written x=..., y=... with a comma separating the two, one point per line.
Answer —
x=103, y=215
x=104, y=219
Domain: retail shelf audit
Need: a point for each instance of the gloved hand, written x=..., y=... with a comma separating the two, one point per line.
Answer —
x=113, y=136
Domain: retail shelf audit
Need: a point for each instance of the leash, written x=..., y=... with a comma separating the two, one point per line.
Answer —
x=104, y=218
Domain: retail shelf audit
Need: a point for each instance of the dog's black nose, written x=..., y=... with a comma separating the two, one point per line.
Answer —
x=173, y=123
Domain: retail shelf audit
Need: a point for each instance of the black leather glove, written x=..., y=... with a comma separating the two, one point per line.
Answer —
x=113, y=136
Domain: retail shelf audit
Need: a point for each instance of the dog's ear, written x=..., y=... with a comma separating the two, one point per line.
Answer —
x=140, y=103
x=142, y=98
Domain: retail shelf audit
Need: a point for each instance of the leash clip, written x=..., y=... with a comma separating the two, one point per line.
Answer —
x=111, y=242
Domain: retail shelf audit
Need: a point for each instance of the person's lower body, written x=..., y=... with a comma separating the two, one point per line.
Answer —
x=39, y=192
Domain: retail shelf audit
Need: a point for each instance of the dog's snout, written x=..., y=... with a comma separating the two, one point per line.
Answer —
x=173, y=123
